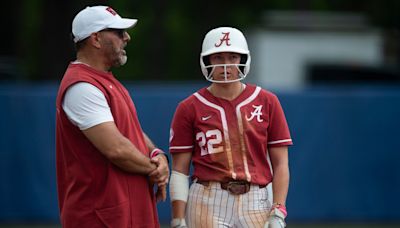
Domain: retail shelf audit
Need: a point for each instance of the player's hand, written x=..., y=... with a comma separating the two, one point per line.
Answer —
x=276, y=219
x=160, y=175
x=178, y=223
x=161, y=194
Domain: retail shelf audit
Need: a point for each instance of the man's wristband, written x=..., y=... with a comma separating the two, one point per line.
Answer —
x=158, y=151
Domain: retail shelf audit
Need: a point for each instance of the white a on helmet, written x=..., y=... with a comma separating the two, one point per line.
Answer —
x=225, y=39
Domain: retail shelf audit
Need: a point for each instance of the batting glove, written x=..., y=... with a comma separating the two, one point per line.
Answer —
x=178, y=223
x=276, y=219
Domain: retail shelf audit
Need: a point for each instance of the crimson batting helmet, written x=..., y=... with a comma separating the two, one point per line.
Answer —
x=225, y=39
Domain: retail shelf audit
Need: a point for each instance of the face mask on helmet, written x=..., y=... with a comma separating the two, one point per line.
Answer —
x=224, y=39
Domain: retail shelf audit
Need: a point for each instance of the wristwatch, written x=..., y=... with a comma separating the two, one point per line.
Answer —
x=178, y=223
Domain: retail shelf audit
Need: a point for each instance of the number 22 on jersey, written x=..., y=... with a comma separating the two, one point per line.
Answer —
x=208, y=142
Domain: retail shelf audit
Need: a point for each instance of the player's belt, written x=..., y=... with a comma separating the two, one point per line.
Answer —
x=234, y=187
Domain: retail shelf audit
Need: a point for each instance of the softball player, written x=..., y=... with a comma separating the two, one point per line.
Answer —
x=236, y=137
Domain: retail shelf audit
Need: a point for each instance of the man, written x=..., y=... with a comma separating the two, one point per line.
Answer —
x=106, y=165
x=237, y=139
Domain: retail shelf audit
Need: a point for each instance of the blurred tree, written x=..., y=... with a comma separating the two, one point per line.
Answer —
x=166, y=42
x=9, y=63
x=29, y=37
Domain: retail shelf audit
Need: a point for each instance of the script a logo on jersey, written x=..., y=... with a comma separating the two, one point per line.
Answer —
x=256, y=113
x=225, y=39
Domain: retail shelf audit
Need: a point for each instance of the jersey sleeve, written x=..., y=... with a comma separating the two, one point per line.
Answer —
x=181, y=132
x=278, y=130
x=86, y=106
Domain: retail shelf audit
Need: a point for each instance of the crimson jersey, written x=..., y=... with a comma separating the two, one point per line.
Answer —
x=229, y=139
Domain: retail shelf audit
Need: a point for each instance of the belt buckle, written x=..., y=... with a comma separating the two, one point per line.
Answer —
x=238, y=187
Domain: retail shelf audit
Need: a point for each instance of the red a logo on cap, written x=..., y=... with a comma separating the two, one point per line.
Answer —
x=225, y=39
x=109, y=9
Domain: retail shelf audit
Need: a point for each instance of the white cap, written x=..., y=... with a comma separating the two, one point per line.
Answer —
x=96, y=18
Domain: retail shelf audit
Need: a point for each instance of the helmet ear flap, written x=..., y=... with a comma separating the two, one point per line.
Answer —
x=243, y=60
x=206, y=61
